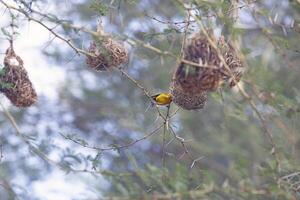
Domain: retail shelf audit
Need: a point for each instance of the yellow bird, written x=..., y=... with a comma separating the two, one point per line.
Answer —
x=162, y=99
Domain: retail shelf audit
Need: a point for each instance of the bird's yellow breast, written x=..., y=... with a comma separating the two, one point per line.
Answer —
x=163, y=99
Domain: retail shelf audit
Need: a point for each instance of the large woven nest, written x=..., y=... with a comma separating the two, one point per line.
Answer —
x=195, y=79
x=15, y=83
x=202, y=71
x=207, y=72
x=107, y=53
x=187, y=100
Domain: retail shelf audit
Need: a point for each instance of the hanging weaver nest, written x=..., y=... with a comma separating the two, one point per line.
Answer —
x=204, y=70
x=15, y=83
x=107, y=53
x=187, y=100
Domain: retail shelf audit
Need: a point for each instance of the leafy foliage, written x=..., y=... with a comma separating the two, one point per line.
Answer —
x=102, y=125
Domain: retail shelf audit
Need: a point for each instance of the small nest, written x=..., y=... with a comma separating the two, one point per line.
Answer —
x=108, y=53
x=211, y=73
x=187, y=100
x=232, y=60
x=15, y=83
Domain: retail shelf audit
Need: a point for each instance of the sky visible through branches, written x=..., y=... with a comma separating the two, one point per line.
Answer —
x=94, y=135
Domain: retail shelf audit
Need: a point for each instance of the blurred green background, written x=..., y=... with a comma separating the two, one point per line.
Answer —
x=226, y=153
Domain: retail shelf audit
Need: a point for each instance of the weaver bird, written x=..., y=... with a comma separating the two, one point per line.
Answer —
x=162, y=99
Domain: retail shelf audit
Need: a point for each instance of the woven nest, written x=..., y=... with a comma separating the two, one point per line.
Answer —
x=108, y=53
x=194, y=79
x=15, y=83
x=211, y=73
x=233, y=62
x=187, y=100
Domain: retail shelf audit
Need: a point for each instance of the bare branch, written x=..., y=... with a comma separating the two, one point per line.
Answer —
x=113, y=146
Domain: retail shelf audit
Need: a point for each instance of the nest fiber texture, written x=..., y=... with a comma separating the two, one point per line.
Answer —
x=233, y=62
x=211, y=73
x=202, y=71
x=108, y=53
x=15, y=83
x=188, y=101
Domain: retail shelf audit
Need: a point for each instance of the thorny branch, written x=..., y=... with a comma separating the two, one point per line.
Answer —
x=166, y=128
x=154, y=49
x=131, y=41
x=259, y=94
x=113, y=146
x=7, y=186
x=269, y=37
x=68, y=41
x=292, y=181
x=42, y=155
x=240, y=89
x=80, y=51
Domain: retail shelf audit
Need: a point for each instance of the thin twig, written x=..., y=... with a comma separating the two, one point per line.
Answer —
x=248, y=98
x=241, y=90
x=142, y=88
x=68, y=41
x=185, y=33
x=166, y=128
x=40, y=153
x=7, y=186
x=24, y=137
x=113, y=146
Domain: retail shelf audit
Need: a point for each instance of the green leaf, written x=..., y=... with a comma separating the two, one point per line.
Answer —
x=246, y=51
x=99, y=8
